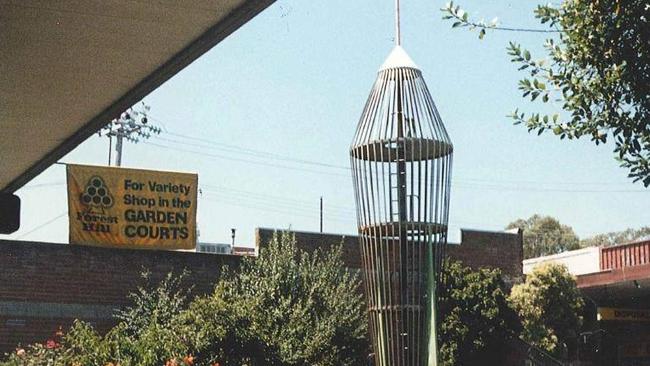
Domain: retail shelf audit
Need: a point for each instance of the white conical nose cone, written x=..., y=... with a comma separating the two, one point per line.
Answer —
x=398, y=58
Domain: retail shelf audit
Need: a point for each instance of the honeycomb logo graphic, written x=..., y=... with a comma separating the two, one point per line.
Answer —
x=96, y=194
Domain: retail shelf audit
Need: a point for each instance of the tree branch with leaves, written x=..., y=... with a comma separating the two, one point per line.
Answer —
x=597, y=69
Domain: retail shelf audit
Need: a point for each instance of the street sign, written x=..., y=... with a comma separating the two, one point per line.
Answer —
x=131, y=208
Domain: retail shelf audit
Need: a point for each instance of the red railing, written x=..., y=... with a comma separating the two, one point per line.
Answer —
x=626, y=255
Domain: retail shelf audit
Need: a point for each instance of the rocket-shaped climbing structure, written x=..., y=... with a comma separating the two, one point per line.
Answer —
x=401, y=164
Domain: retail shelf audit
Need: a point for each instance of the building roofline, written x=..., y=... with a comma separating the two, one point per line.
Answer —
x=492, y=231
x=304, y=231
x=568, y=253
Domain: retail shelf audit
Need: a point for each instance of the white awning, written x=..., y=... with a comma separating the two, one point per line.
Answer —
x=68, y=67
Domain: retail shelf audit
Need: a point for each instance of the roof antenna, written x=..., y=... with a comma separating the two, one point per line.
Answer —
x=398, y=34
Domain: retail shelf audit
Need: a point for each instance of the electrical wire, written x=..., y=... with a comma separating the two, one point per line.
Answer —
x=267, y=164
x=292, y=207
x=42, y=225
x=40, y=185
x=257, y=195
x=257, y=153
x=491, y=184
x=541, y=189
x=457, y=183
x=276, y=210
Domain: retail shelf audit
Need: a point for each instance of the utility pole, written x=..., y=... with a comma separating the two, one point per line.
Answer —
x=321, y=214
x=132, y=125
x=118, y=147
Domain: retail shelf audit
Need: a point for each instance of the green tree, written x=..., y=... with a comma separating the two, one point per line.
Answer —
x=149, y=333
x=475, y=316
x=305, y=306
x=549, y=306
x=617, y=237
x=544, y=235
x=597, y=69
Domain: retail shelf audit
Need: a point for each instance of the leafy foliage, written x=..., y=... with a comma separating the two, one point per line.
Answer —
x=475, y=316
x=148, y=334
x=287, y=307
x=544, y=235
x=293, y=308
x=155, y=304
x=461, y=19
x=597, y=70
x=549, y=306
x=618, y=237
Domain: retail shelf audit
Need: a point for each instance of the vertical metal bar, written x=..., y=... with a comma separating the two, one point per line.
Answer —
x=321, y=214
x=110, y=148
x=398, y=33
x=118, y=147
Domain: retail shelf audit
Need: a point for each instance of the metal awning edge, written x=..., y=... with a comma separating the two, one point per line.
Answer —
x=171, y=67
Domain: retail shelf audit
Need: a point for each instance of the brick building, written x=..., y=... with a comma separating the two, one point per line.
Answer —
x=44, y=286
x=492, y=249
x=477, y=249
x=90, y=60
x=615, y=282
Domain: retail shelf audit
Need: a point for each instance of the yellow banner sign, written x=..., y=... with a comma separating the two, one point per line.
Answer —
x=131, y=208
x=636, y=315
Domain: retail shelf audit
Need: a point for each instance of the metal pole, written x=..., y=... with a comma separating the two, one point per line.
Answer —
x=403, y=219
x=118, y=147
x=110, y=148
x=398, y=33
x=321, y=214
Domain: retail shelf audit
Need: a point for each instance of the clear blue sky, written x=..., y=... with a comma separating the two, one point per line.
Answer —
x=292, y=83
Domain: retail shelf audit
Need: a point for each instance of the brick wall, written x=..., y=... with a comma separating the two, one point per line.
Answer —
x=503, y=250
x=311, y=240
x=43, y=286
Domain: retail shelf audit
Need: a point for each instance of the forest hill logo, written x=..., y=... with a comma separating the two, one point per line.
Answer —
x=97, y=198
x=96, y=194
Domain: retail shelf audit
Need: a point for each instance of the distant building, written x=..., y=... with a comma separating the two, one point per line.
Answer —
x=478, y=248
x=245, y=251
x=225, y=249
x=615, y=282
x=215, y=248
x=578, y=262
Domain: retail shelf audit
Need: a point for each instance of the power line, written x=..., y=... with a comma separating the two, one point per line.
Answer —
x=264, y=196
x=541, y=189
x=244, y=160
x=290, y=208
x=470, y=180
x=241, y=150
x=277, y=210
x=270, y=155
x=40, y=185
x=42, y=225
x=267, y=154
x=309, y=210
x=352, y=221
x=457, y=183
